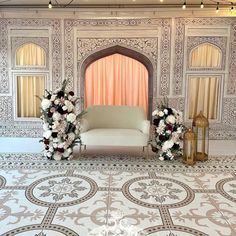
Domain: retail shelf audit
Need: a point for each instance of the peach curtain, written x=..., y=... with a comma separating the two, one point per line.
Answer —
x=116, y=80
x=205, y=55
x=28, y=105
x=203, y=96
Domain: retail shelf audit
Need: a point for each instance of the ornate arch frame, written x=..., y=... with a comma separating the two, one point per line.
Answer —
x=126, y=52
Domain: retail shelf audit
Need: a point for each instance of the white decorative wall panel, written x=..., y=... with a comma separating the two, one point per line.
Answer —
x=166, y=42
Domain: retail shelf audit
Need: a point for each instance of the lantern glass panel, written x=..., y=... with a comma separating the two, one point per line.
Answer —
x=202, y=141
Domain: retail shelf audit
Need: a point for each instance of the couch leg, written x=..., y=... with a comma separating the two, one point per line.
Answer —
x=147, y=152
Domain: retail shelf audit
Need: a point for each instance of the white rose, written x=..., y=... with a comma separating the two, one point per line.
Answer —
x=51, y=149
x=61, y=145
x=167, y=145
x=71, y=117
x=57, y=101
x=169, y=154
x=179, y=130
x=174, y=111
x=170, y=119
x=180, y=113
x=45, y=104
x=162, y=123
x=49, y=154
x=69, y=105
x=57, y=157
x=45, y=153
x=76, y=131
x=47, y=134
x=56, y=116
x=161, y=158
x=66, y=153
x=166, y=111
x=160, y=113
x=71, y=137
x=64, y=108
x=53, y=97
x=55, y=125
x=45, y=127
x=154, y=113
x=54, y=145
x=55, y=140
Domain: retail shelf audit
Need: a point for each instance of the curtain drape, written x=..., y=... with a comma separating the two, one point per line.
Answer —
x=205, y=55
x=28, y=105
x=30, y=55
x=203, y=96
x=116, y=80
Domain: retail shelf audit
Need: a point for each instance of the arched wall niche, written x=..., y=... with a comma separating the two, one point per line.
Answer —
x=37, y=48
x=216, y=50
x=126, y=52
x=18, y=42
x=219, y=42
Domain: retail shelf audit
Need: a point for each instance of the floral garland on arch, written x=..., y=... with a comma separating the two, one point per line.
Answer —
x=60, y=123
x=168, y=132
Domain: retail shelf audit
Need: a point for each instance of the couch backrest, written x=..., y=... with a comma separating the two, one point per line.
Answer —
x=105, y=116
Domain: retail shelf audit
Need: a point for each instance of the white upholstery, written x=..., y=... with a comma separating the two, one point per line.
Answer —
x=115, y=126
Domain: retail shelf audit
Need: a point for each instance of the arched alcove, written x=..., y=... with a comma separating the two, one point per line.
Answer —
x=30, y=54
x=126, y=52
x=205, y=55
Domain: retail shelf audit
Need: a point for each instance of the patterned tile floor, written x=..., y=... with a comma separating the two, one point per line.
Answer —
x=121, y=194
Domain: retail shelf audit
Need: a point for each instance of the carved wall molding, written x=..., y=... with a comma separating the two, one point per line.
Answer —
x=165, y=24
x=6, y=109
x=55, y=26
x=17, y=42
x=229, y=112
x=146, y=46
x=180, y=24
x=17, y=128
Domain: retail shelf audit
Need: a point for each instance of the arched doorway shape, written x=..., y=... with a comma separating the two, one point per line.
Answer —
x=126, y=52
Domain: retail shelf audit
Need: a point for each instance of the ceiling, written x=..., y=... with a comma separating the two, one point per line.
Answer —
x=112, y=3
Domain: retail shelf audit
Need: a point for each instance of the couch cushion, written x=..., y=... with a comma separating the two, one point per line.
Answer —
x=114, y=137
x=126, y=117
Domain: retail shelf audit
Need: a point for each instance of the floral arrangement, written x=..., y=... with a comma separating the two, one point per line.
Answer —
x=60, y=123
x=168, y=132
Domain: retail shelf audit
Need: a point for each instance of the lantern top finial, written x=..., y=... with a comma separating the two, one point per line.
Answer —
x=200, y=120
x=189, y=134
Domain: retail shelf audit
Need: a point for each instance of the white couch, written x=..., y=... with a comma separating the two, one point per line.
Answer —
x=105, y=125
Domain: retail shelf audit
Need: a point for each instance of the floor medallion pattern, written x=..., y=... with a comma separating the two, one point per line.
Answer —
x=108, y=194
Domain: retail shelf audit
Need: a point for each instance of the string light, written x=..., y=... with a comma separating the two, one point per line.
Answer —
x=202, y=5
x=217, y=7
x=50, y=5
x=184, y=5
x=232, y=8
x=57, y=5
x=161, y=0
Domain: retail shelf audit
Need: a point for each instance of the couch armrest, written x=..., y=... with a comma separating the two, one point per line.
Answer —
x=145, y=126
x=84, y=125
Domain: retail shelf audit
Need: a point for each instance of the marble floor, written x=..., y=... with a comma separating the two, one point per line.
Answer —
x=115, y=192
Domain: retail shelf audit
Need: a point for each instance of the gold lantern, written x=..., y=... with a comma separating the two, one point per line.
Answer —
x=189, y=149
x=201, y=130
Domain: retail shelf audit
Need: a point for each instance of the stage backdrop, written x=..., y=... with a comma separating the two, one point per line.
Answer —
x=190, y=60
